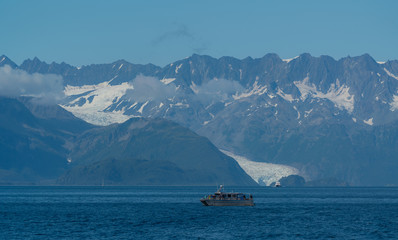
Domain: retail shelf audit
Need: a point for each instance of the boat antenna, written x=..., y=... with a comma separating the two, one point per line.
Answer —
x=220, y=188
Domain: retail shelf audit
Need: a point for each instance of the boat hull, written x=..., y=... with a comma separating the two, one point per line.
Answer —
x=213, y=202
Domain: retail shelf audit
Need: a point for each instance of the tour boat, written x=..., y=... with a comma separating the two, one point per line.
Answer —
x=220, y=198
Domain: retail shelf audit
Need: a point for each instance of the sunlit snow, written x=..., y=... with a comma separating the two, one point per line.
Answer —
x=390, y=74
x=339, y=95
x=167, y=80
x=142, y=107
x=194, y=88
x=287, y=97
x=134, y=104
x=394, y=103
x=179, y=104
x=256, y=90
x=103, y=95
x=298, y=113
x=307, y=113
x=369, y=121
x=263, y=173
x=178, y=68
x=289, y=59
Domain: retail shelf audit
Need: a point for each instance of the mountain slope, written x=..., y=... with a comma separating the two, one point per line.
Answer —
x=150, y=152
x=30, y=151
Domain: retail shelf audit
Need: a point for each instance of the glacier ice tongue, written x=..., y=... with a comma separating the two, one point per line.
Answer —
x=261, y=172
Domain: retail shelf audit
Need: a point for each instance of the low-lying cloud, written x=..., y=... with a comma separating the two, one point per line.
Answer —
x=48, y=88
x=150, y=89
x=217, y=90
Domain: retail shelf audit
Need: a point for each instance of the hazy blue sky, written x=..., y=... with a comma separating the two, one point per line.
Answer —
x=160, y=32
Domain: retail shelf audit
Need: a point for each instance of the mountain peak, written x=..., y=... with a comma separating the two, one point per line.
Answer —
x=364, y=60
x=121, y=61
x=272, y=57
x=35, y=60
x=4, y=60
x=202, y=57
x=305, y=56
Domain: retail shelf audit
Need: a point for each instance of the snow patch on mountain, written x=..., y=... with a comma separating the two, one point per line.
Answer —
x=261, y=172
x=394, y=103
x=77, y=90
x=287, y=97
x=339, y=95
x=369, y=121
x=256, y=90
x=390, y=74
x=142, y=107
x=298, y=113
x=289, y=59
x=194, y=88
x=178, y=68
x=167, y=80
x=307, y=113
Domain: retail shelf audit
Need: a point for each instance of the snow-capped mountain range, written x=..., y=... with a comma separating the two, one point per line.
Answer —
x=296, y=111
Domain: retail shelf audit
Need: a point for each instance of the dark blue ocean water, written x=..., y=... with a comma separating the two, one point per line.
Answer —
x=176, y=213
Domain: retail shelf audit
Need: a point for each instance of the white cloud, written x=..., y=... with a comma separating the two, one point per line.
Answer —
x=217, y=90
x=150, y=89
x=48, y=88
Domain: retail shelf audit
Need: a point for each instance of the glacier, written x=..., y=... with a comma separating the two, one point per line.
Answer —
x=102, y=95
x=263, y=173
